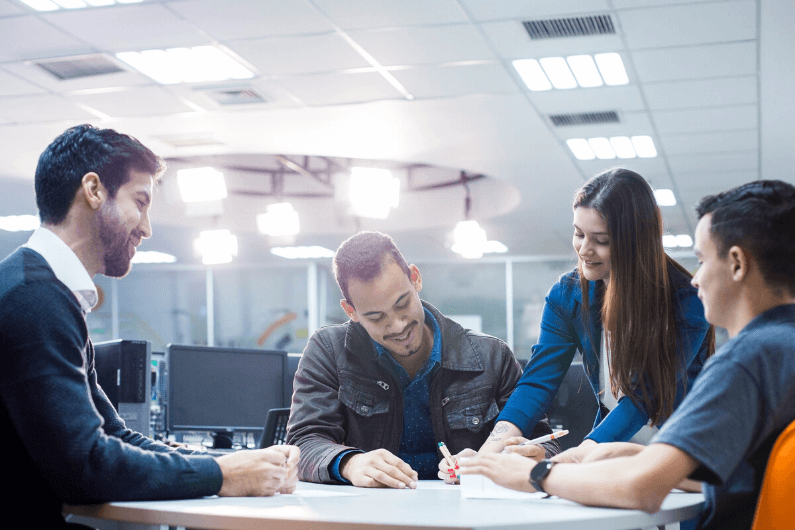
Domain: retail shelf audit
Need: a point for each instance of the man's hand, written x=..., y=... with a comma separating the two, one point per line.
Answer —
x=259, y=473
x=501, y=432
x=377, y=469
x=449, y=475
x=507, y=470
x=612, y=450
x=576, y=455
x=536, y=452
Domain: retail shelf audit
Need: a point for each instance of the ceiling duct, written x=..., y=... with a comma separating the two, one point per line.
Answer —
x=584, y=118
x=65, y=68
x=569, y=27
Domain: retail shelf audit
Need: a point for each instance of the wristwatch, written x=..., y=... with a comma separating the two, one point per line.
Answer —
x=539, y=473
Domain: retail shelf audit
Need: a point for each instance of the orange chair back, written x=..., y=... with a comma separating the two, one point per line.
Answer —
x=776, y=506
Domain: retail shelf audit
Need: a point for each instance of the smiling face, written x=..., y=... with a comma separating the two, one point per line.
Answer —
x=389, y=309
x=592, y=243
x=713, y=279
x=124, y=223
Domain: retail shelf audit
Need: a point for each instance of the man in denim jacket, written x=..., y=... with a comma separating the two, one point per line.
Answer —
x=374, y=396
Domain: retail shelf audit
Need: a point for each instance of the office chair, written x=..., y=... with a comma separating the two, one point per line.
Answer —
x=275, y=428
x=775, y=508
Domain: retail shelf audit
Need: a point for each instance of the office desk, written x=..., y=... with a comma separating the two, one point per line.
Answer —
x=433, y=505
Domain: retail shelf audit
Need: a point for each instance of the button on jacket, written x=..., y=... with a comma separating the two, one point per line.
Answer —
x=345, y=398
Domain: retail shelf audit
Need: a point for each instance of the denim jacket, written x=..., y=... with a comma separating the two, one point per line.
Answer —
x=563, y=333
x=344, y=398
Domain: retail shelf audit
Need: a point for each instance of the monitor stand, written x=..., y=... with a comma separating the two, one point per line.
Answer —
x=223, y=439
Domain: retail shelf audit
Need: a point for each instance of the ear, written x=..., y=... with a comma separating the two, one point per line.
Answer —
x=740, y=263
x=415, y=277
x=349, y=310
x=93, y=190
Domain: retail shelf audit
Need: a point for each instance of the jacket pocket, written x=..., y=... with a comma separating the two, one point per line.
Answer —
x=472, y=410
x=361, y=401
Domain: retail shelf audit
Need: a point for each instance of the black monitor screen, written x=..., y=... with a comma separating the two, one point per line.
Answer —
x=211, y=389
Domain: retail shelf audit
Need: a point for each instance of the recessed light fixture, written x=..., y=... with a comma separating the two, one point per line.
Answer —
x=665, y=197
x=153, y=256
x=19, y=223
x=186, y=65
x=280, y=220
x=55, y=5
x=470, y=239
x=201, y=184
x=302, y=252
x=373, y=192
x=677, y=241
x=216, y=246
x=610, y=148
x=573, y=71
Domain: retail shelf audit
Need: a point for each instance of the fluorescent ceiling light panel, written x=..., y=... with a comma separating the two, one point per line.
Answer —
x=312, y=252
x=19, y=223
x=669, y=241
x=201, y=184
x=152, y=256
x=581, y=148
x=644, y=146
x=373, y=192
x=280, y=220
x=71, y=4
x=585, y=71
x=186, y=65
x=602, y=148
x=558, y=72
x=470, y=239
x=494, y=247
x=623, y=147
x=216, y=246
x=684, y=240
x=41, y=5
x=532, y=74
x=665, y=197
x=612, y=68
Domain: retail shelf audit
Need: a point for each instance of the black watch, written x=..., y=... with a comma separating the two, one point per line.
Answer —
x=539, y=473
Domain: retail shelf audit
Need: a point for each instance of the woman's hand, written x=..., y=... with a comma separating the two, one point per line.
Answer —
x=576, y=455
x=450, y=476
x=507, y=470
x=512, y=446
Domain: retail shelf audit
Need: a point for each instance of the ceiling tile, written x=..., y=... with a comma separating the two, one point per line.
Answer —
x=499, y=9
x=703, y=120
x=704, y=162
x=145, y=101
x=10, y=8
x=358, y=14
x=33, y=73
x=694, y=186
x=643, y=166
x=710, y=142
x=333, y=89
x=11, y=85
x=696, y=62
x=244, y=19
x=298, y=55
x=512, y=42
x=634, y=4
x=621, y=98
x=28, y=37
x=133, y=27
x=425, y=45
x=41, y=108
x=701, y=93
x=441, y=81
x=689, y=24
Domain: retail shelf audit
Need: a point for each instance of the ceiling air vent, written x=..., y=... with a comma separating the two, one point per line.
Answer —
x=585, y=118
x=192, y=140
x=236, y=96
x=81, y=66
x=569, y=27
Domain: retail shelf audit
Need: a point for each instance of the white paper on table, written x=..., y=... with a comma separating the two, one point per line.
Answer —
x=481, y=487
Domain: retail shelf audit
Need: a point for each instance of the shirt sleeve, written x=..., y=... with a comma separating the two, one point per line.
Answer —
x=49, y=402
x=717, y=421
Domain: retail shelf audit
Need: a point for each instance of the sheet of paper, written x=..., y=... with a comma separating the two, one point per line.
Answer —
x=480, y=487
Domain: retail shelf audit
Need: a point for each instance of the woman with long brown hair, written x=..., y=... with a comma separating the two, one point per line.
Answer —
x=627, y=307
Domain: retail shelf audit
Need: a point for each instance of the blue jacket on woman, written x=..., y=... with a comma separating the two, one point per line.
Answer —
x=563, y=332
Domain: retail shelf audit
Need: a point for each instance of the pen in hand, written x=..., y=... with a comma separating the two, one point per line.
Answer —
x=542, y=439
x=451, y=463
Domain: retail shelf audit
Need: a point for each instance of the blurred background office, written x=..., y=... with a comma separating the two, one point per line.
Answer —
x=306, y=121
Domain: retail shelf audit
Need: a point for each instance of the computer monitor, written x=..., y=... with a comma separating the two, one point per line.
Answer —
x=223, y=389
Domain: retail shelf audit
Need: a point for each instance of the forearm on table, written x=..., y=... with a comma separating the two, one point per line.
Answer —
x=501, y=432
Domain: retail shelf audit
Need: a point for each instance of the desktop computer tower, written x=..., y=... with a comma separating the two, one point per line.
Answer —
x=124, y=373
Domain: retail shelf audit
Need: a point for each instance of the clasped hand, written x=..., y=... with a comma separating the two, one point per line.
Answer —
x=535, y=453
x=259, y=473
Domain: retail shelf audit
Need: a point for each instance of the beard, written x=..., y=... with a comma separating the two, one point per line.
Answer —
x=115, y=242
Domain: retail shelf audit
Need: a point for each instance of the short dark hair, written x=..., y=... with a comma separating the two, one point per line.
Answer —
x=83, y=149
x=759, y=217
x=362, y=257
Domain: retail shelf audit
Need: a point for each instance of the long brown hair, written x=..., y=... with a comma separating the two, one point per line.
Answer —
x=639, y=309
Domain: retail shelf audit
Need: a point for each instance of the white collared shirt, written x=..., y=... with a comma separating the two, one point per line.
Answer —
x=66, y=265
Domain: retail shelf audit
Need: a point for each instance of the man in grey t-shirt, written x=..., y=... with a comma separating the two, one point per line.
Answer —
x=724, y=430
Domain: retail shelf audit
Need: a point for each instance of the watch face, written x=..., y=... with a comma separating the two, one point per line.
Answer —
x=539, y=473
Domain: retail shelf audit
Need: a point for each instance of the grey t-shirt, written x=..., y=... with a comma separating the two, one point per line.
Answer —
x=739, y=404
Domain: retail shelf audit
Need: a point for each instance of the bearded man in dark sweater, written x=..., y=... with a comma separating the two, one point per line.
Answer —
x=93, y=190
